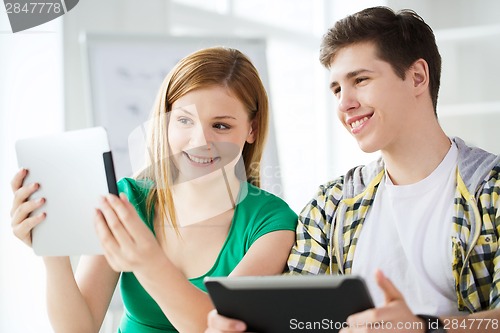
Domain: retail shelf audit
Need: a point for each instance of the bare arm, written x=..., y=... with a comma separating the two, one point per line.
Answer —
x=185, y=305
x=71, y=307
x=78, y=305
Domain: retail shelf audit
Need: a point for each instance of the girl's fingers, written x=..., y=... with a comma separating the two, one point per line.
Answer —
x=18, y=179
x=23, y=230
x=22, y=223
x=22, y=194
x=130, y=220
x=23, y=211
x=115, y=225
x=108, y=240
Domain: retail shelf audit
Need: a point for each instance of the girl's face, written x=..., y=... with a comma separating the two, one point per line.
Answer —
x=207, y=131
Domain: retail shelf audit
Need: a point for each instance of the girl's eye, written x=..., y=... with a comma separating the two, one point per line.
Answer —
x=220, y=126
x=185, y=121
x=336, y=91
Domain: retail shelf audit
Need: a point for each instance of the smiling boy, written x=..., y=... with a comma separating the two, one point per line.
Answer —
x=426, y=213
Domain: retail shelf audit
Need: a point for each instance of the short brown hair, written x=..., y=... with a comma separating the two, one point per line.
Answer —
x=400, y=37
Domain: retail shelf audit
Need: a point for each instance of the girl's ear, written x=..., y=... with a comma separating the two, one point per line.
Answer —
x=419, y=72
x=252, y=134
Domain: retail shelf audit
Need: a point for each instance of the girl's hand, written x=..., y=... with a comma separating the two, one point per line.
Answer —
x=21, y=221
x=221, y=324
x=127, y=242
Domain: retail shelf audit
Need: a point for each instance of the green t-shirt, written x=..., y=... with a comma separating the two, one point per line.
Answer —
x=257, y=214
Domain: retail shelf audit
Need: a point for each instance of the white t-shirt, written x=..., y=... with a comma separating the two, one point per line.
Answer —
x=407, y=235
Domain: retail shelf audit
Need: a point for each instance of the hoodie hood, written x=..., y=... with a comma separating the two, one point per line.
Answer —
x=474, y=165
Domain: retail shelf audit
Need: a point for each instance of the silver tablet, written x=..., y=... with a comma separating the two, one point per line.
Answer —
x=74, y=169
x=283, y=303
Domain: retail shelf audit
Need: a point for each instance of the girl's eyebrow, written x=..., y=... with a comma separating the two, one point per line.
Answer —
x=216, y=117
x=184, y=110
x=224, y=117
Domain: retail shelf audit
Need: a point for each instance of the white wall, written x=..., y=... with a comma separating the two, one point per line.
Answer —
x=468, y=37
x=31, y=98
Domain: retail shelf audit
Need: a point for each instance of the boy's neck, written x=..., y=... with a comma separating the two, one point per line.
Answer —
x=417, y=155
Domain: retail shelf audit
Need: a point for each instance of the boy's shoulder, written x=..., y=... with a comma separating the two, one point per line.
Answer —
x=354, y=181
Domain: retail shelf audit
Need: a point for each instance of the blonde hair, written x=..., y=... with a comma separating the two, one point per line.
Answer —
x=216, y=66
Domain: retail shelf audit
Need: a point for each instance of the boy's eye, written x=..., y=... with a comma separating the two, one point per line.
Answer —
x=361, y=79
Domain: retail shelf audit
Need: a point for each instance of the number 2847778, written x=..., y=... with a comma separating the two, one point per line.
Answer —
x=33, y=8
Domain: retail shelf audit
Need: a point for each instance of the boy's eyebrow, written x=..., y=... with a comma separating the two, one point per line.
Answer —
x=350, y=75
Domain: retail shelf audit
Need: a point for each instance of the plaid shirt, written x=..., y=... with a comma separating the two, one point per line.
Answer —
x=330, y=225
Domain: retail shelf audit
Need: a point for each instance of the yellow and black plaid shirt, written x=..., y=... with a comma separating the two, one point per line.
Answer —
x=330, y=225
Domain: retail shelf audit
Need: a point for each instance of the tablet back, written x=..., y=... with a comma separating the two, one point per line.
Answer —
x=74, y=169
x=290, y=303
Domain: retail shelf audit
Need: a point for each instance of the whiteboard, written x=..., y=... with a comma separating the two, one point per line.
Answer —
x=124, y=73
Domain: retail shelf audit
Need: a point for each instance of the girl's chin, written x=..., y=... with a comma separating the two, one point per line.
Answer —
x=199, y=177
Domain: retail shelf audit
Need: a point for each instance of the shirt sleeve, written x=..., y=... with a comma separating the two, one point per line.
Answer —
x=495, y=289
x=310, y=254
x=273, y=216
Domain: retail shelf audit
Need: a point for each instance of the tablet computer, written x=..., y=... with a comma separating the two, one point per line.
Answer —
x=290, y=303
x=74, y=169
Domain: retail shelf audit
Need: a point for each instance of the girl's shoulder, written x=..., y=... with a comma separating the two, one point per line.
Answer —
x=257, y=199
x=137, y=187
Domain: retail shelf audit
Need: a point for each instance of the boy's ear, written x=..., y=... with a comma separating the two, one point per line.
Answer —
x=419, y=74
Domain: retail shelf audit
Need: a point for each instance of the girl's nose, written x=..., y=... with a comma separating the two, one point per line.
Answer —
x=199, y=137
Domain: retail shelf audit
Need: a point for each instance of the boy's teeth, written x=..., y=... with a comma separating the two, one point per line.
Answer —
x=357, y=123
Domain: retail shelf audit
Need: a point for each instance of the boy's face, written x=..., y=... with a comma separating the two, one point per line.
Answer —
x=373, y=103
